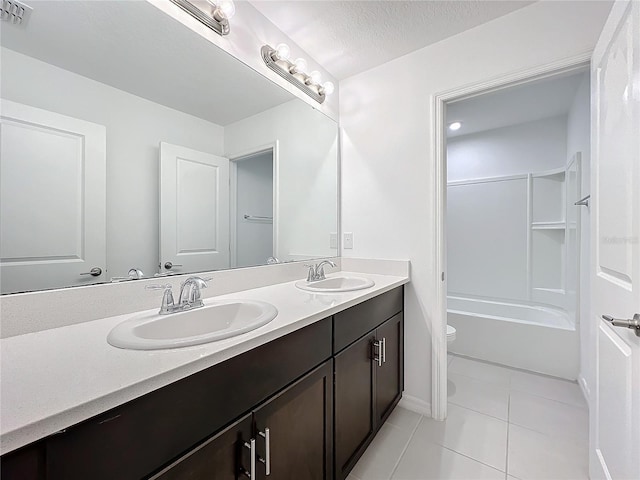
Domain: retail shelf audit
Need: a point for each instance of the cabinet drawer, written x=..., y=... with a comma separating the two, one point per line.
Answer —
x=132, y=440
x=358, y=320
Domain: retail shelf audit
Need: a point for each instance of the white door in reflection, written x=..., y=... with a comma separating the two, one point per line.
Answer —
x=52, y=199
x=252, y=199
x=194, y=210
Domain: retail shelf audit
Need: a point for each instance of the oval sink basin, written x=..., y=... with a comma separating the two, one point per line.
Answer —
x=336, y=284
x=215, y=321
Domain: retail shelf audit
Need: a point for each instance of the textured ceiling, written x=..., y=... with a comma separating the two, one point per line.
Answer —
x=349, y=37
x=528, y=102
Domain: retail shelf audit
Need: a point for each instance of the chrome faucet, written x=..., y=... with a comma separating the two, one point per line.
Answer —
x=189, y=298
x=316, y=272
x=190, y=293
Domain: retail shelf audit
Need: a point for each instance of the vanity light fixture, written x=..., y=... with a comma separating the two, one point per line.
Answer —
x=295, y=71
x=455, y=126
x=214, y=14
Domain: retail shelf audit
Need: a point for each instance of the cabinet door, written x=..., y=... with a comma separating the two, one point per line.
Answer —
x=298, y=445
x=389, y=382
x=222, y=457
x=354, y=419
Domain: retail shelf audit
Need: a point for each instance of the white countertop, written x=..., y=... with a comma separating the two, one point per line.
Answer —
x=55, y=378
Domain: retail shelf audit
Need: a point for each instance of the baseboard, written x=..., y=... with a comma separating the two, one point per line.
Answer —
x=415, y=405
x=584, y=387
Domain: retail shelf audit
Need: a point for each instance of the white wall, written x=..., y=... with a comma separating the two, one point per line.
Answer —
x=250, y=30
x=307, y=187
x=579, y=140
x=254, y=193
x=135, y=128
x=388, y=169
x=518, y=149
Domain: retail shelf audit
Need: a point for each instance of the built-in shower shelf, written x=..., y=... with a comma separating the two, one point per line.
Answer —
x=548, y=225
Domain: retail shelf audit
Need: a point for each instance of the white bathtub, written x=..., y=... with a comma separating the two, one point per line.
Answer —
x=533, y=337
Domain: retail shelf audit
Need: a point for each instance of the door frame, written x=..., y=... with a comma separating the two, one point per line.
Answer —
x=274, y=148
x=439, y=152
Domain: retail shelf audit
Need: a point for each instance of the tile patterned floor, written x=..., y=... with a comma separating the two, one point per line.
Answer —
x=503, y=424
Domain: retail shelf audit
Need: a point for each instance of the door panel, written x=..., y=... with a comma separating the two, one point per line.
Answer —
x=389, y=374
x=52, y=199
x=615, y=416
x=300, y=421
x=194, y=210
x=219, y=458
x=354, y=420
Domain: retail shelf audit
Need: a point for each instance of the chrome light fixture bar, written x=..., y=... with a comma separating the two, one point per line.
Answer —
x=277, y=59
x=213, y=14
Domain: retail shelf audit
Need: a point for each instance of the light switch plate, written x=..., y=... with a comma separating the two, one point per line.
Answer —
x=348, y=240
x=333, y=240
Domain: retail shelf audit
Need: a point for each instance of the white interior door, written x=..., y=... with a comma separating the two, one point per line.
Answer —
x=194, y=210
x=615, y=420
x=52, y=199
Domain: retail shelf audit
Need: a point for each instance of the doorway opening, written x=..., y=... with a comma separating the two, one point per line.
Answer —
x=489, y=225
x=253, y=222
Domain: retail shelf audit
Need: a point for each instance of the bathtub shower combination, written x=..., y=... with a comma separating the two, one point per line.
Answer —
x=533, y=337
x=513, y=269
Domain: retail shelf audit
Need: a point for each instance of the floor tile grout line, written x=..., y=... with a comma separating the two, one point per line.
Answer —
x=548, y=435
x=478, y=411
x=415, y=429
x=483, y=380
x=467, y=456
x=517, y=390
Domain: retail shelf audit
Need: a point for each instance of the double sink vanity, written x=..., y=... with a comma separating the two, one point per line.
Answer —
x=290, y=380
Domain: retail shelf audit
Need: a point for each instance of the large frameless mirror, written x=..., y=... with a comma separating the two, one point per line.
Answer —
x=131, y=146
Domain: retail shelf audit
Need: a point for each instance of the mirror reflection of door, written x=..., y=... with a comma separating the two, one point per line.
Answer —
x=194, y=210
x=52, y=199
x=252, y=194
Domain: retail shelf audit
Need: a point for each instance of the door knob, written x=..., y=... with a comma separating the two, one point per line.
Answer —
x=169, y=265
x=617, y=322
x=94, y=272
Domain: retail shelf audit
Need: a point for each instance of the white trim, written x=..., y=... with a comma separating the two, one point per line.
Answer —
x=439, y=101
x=274, y=148
x=415, y=405
x=584, y=387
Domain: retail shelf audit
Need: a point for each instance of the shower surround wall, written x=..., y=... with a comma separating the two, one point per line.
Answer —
x=388, y=163
x=488, y=201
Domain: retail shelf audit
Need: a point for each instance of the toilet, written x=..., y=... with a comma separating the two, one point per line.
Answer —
x=451, y=334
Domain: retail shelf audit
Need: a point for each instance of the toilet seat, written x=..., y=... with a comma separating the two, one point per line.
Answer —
x=451, y=333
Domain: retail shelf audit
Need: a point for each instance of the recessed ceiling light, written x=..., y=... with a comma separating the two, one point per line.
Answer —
x=455, y=126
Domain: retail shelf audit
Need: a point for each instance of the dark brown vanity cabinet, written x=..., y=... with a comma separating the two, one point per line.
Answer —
x=368, y=374
x=308, y=403
x=288, y=437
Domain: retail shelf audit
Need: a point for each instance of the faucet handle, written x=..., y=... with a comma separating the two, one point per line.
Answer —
x=311, y=276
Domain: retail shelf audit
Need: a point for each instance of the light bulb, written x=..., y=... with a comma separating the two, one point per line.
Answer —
x=283, y=52
x=227, y=7
x=299, y=65
x=455, y=126
x=328, y=88
x=315, y=77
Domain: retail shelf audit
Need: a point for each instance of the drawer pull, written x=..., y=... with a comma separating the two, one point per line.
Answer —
x=384, y=350
x=252, y=447
x=267, y=451
x=377, y=356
